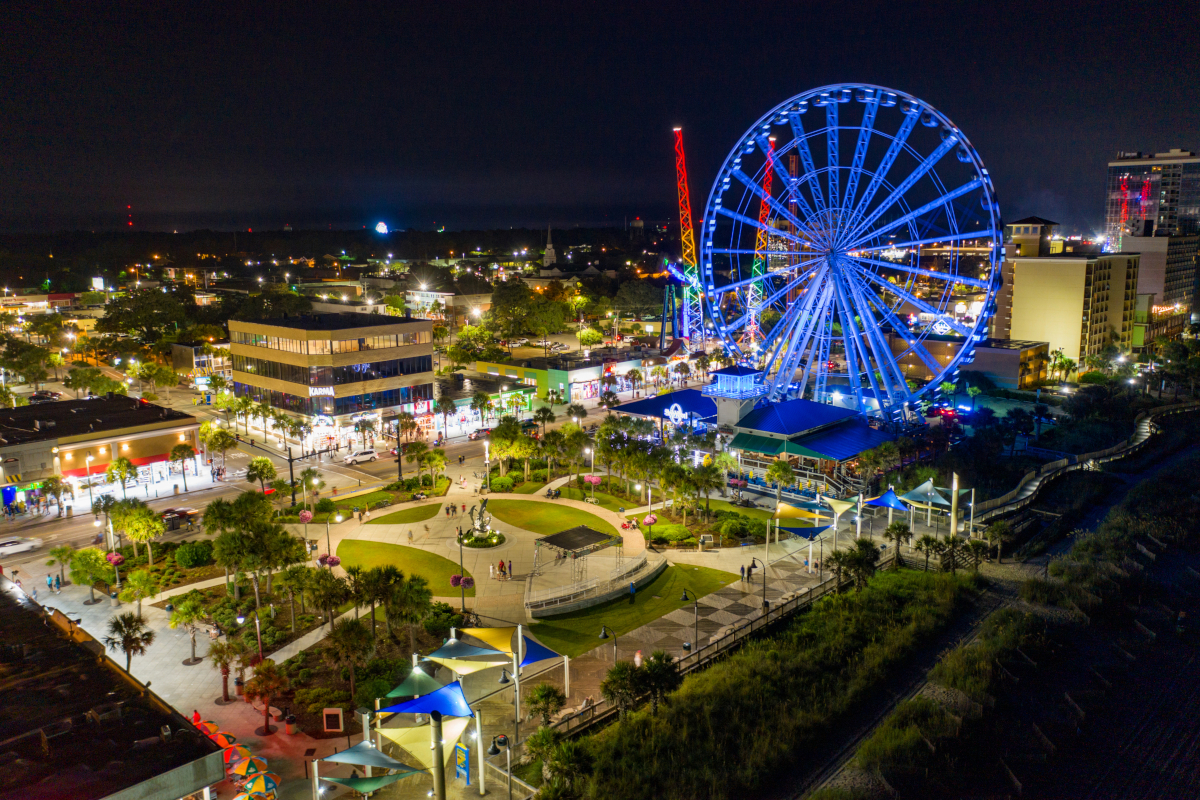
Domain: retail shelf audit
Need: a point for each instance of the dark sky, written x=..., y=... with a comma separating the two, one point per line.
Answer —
x=471, y=114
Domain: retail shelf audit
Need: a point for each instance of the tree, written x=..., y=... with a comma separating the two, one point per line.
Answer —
x=129, y=633
x=348, y=644
x=119, y=471
x=635, y=377
x=261, y=470
x=56, y=360
x=414, y=452
x=139, y=585
x=659, y=676
x=928, y=546
x=541, y=745
x=222, y=656
x=996, y=534
x=781, y=474
x=60, y=556
x=705, y=478
x=862, y=562
x=589, y=337
x=482, y=402
x=56, y=487
x=840, y=562
x=638, y=298
x=142, y=313
x=188, y=614
x=544, y=416
x=899, y=533
x=295, y=578
x=977, y=549
x=409, y=603
x=141, y=524
x=328, y=591
x=569, y=762
x=973, y=392
x=435, y=462
x=221, y=441
x=576, y=411
x=181, y=454
x=268, y=681
x=87, y=567
x=447, y=408
x=620, y=686
x=951, y=548
x=545, y=700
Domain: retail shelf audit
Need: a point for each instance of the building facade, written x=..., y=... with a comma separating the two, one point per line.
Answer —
x=1079, y=304
x=1152, y=195
x=334, y=365
x=201, y=361
x=1008, y=363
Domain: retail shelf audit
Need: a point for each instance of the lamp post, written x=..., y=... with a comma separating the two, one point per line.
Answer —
x=502, y=741
x=487, y=464
x=764, y=593
x=461, y=587
x=89, y=460
x=696, y=632
x=241, y=618
x=328, y=546
x=593, y=470
x=605, y=631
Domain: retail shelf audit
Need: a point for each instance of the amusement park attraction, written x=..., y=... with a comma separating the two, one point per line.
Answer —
x=846, y=226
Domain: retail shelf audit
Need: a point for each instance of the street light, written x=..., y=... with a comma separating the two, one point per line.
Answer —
x=328, y=546
x=89, y=459
x=696, y=633
x=604, y=634
x=461, y=587
x=764, y=569
x=487, y=464
x=649, y=493
x=593, y=475
x=502, y=740
x=241, y=618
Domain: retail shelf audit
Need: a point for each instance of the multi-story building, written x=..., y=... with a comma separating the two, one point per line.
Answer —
x=1079, y=304
x=1008, y=363
x=1166, y=284
x=1152, y=195
x=200, y=361
x=332, y=366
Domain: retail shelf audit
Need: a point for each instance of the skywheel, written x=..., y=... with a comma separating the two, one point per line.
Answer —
x=851, y=249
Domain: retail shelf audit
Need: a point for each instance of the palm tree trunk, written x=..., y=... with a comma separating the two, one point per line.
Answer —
x=225, y=683
x=292, y=597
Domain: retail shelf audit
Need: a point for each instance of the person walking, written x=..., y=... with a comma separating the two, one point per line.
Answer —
x=510, y=572
x=57, y=585
x=50, y=583
x=743, y=568
x=491, y=572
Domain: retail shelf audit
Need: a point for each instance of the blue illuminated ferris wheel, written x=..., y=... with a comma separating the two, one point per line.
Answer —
x=847, y=227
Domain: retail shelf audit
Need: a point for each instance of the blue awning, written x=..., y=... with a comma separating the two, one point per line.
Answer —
x=364, y=755
x=793, y=417
x=449, y=700
x=535, y=652
x=888, y=500
x=690, y=401
x=805, y=533
x=842, y=442
x=456, y=648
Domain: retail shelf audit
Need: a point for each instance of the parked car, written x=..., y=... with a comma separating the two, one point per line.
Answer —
x=544, y=343
x=519, y=342
x=360, y=456
x=17, y=544
x=46, y=394
x=560, y=347
x=482, y=433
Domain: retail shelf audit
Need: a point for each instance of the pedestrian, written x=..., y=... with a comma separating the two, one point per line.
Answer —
x=743, y=572
x=510, y=572
x=50, y=583
x=491, y=572
x=35, y=595
x=500, y=568
x=195, y=717
x=57, y=584
x=368, y=514
x=410, y=539
x=637, y=659
x=464, y=505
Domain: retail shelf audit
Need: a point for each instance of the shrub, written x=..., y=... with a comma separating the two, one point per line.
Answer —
x=502, y=485
x=442, y=617
x=321, y=697
x=150, y=397
x=304, y=675
x=1047, y=593
x=516, y=476
x=1094, y=377
x=366, y=690
x=426, y=481
x=898, y=745
x=326, y=506
x=537, y=475
x=579, y=482
x=194, y=554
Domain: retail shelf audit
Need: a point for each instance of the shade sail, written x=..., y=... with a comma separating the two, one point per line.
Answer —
x=368, y=785
x=364, y=755
x=797, y=511
x=415, y=741
x=806, y=533
x=535, y=652
x=461, y=651
x=925, y=494
x=839, y=506
x=416, y=684
x=461, y=667
x=499, y=638
x=888, y=500
x=449, y=700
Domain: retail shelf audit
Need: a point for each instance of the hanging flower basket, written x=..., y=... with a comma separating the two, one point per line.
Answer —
x=327, y=560
x=306, y=516
x=456, y=580
x=468, y=582
x=595, y=480
x=116, y=559
x=650, y=519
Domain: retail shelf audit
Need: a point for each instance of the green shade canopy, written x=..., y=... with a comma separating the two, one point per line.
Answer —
x=925, y=494
x=416, y=684
x=368, y=785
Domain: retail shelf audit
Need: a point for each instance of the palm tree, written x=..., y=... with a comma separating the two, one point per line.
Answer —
x=295, y=579
x=408, y=603
x=222, y=656
x=545, y=700
x=927, y=545
x=120, y=470
x=863, y=560
x=271, y=681
x=541, y=745
x=61, y=556
x=780, y=473
x=544, y=416
x=620, y=686
x=840, y=562
x=414, y=452
x=659, y=676
x=977, y=549
x=348, y=644
x=576, y=412
x=995, y=534
x=262, y=471
x=378, y=582
x=706, y=478
x=447, y=408
x=328, y=591
x=139, y=585
x=188, y=614
x=129, y=633
x=181, y=454
x=635, y=378
x=482, y=402
x=899, y=533
x=56, y=487
x=569, y=761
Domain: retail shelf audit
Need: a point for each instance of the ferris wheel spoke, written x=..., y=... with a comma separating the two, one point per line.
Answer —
x=916, y=213
x=902, y=331
x=812, y=312
x=860, y=152
x=732, y=252
x=774, y=297
x=754, y=223
x=928, y=273
x=773, y=204
x=854, y=346
x=913, y=301
x=775, y=342
x=889, y=369
x=949, y=237
x=731, y=287
x=831, y=149
x=806, y=161
x=903, y=187
x=885, y=165
x=792, y=183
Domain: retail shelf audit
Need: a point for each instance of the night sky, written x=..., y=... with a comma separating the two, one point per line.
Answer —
x=482, y=115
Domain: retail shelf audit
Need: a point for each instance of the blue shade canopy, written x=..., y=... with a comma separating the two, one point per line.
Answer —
x=793, y=417
x=458, y=649
x=806, y=533
x=690, y=401
x=368, y=785
x=535, y=652
x=888, y=500
x=416, y=684
x=364, y=755
x=449, y=700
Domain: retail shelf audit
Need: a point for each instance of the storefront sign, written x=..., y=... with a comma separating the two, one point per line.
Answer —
x=676, y=414
x=320, y=391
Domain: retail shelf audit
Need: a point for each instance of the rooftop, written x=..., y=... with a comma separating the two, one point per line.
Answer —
x=690, y=401
x=1033, y=221
x=77, y=726
x=456, y=390
x=735, y=369
x=333, y=322
x=793, y=417
x=34, y=423
x=1011, y=344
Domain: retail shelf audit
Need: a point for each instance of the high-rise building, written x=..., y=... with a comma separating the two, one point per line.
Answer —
x=1079, y=303
x=1152, y=195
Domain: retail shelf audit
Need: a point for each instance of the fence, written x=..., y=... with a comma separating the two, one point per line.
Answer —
x=1018, y=498
x=560, y=595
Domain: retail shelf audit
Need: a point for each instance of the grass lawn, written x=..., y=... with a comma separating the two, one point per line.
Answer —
x=417, y=514
x=363, y=500
x=752, y=513
x=576, y=633
x=529, y=487
x=434, y=568
x=614, y=504
x=545, y=518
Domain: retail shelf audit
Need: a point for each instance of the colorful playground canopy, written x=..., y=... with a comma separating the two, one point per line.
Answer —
x=416, y=684
x=535, y=652
x=364, y=755
x=926, y=495
x=499, y=638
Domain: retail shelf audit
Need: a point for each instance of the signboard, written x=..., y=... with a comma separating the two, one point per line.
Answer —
x=675, y=414
x=333, y=720
x=320, y=391
x=202, y=381
x=98, y=284
x=462, y=763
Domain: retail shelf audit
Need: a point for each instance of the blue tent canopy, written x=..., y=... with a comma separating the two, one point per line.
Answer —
x=888, y=500
x=806, y=533
x=535, y=652
x=449, y=700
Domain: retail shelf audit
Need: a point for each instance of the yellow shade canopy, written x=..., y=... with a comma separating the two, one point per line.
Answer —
x=786, y=511
x=415, y=741
x=497, y=638
x=462, y=667
x=840, y=506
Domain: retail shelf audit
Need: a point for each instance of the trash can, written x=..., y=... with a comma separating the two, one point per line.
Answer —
x=289, y=723
x=176, y=486
x=237, y=686
x=116, y=602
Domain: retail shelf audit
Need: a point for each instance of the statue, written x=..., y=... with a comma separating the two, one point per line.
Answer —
x=480, y=521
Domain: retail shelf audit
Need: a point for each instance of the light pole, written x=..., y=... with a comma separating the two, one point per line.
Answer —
x=764, y=569
x=328, y=546
x=649, y=493
x=593, y=475
x=241, y=618
x=487, y=464
x=502, y=740
x=696, y=633
x=462, y=588
x=89, y=460
x=605, y=631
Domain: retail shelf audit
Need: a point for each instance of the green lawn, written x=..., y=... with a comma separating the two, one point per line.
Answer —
x=408, y=515
x=529, y=487
x=363, y=500
x=608, y=501
x=578, y=632
x=410, y=560
x=752, y=513
x=545, y=518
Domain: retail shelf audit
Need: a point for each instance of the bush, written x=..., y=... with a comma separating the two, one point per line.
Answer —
x=150, y=397
x=1047, y=593
x=502, y=485
x=426, y=481
x=898, y=745
x=516, y=476
x=316, y=699
x=304, y=675
x=367, y=690
x=194, y=554
x=537, y=475
x=579, y=482
x=326, y=506
x=442, y=617
x=1094, y=377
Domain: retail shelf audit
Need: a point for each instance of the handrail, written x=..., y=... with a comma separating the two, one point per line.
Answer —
x=547, y=597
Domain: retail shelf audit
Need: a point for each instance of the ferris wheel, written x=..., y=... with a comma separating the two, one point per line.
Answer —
x=848, y=226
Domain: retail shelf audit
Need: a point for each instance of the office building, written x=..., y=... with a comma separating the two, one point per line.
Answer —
x=1166, y=284
x=1152, y=195
x=200, y=361
x=1008, y=363
x=1079, y=304
x=328, y=367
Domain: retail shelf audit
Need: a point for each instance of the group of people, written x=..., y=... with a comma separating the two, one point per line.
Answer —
x=500, y=570
x=452, y=510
